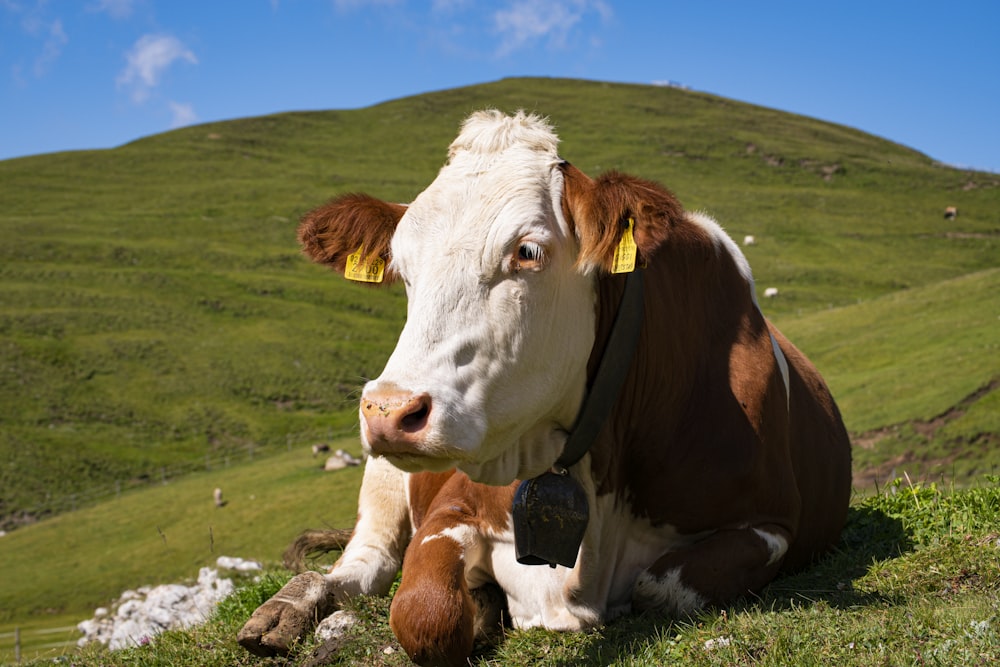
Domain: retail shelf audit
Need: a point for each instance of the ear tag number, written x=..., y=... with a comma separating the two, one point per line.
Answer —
x=364, y=269
x=624, y=261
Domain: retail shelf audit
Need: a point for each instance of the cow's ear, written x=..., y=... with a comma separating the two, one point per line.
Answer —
x=352, y=224
x=600, y=210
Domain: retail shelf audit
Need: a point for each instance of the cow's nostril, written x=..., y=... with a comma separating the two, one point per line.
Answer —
x=416, y=418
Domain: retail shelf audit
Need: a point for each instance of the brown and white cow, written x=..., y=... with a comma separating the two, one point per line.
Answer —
x=723, y=460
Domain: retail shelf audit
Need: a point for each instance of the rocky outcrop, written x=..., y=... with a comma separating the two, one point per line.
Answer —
x=139, y=615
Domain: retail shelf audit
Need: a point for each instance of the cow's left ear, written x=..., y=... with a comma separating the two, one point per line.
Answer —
x=352, y=234
x=600, y=209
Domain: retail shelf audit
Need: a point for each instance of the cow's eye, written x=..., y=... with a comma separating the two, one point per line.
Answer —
x=529, y=252
x=529, y=256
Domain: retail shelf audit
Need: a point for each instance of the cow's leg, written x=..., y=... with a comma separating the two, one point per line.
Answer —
x=435, y=615
x=716, y=570
x=368, y=566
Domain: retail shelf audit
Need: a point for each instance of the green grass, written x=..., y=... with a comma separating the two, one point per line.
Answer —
x=913, y=581
x=902, y=367
x=876, y=355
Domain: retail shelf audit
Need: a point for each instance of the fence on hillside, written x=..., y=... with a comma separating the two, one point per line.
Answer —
x=11, y=641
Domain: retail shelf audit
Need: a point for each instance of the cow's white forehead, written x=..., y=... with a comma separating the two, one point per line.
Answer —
x=499, y=182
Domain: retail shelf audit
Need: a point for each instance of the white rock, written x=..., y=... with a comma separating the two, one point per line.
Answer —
x=718, y=642
x=334, y=463
x=128, y=633
x=238, y=564
x=141, y=614
x=335, y=625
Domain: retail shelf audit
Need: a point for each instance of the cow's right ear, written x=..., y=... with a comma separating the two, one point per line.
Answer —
x=352, y=224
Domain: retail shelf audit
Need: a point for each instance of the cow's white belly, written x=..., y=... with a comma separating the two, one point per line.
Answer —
x=616, y=549
x=537, y=594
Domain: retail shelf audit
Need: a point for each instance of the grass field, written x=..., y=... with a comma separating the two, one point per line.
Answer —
x=913, y=581
x=156, y=318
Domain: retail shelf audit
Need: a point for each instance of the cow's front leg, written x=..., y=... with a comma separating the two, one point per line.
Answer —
x=435, y=614
x=368, y=566
x=716, y=570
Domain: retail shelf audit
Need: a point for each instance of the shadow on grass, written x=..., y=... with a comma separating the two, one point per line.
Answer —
x=870, y=536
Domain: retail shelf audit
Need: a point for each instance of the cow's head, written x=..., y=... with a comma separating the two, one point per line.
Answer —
x=500, y=256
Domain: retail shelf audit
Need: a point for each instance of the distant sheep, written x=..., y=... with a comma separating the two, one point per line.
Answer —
x=319, y=448
x=770, y=292
x=749, y=240
x=950, y=213
x=217, y=495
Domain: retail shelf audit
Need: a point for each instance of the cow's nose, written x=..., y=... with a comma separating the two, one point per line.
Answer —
x=395, y=421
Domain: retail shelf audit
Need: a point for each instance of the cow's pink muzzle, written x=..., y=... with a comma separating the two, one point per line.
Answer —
x=395, y=422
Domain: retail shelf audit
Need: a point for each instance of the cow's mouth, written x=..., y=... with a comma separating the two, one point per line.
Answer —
x=412, y=462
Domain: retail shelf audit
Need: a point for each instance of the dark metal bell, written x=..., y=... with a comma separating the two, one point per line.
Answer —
x=550, y=514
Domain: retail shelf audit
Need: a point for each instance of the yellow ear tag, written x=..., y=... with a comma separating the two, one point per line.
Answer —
x=624, y=261
x=364, y=269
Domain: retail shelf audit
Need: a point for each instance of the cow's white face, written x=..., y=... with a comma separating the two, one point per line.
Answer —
x=490, y=368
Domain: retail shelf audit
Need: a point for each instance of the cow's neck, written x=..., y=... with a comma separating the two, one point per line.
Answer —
x=607, y=368
x=699, y=303
x=555, y=498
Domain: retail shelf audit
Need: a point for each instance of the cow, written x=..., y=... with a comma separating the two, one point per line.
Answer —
x=584, y=380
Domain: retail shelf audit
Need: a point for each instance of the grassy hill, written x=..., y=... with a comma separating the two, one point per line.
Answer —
x=154, y=310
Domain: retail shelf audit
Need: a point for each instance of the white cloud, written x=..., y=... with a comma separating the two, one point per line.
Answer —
x=55, y=40
x=183, y=114
x=117, y=9
x=525, y=22
x=149, y=58
x=36, y=22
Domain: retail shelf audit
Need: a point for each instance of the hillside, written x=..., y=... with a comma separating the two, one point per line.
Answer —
x=156, y=317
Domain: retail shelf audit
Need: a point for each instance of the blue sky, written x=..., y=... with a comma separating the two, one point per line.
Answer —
x=99, y=73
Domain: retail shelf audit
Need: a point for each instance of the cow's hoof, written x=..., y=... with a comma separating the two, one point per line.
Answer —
x=491, y=612
x=281, y=621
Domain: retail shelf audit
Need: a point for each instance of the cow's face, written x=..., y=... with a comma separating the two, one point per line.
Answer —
x=500, y=268
x=489, y=369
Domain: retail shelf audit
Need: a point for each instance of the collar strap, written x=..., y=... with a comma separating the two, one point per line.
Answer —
x=614, y=366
